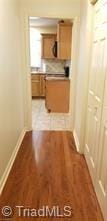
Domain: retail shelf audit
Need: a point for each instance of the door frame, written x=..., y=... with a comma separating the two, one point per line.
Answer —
x=26, y=66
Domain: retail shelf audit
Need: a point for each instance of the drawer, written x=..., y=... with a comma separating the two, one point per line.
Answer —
x=35, y=77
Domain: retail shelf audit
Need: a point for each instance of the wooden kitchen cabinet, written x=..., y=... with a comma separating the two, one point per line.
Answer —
x=57, y=95
x=48, y=41
x=42, y=85
x=64, y=40
x=38, y=85
x=35, y=78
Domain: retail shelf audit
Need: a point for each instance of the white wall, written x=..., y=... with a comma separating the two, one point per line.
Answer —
x=53, y=8
x=11, y=95
x=86, y=21
x=46, y=30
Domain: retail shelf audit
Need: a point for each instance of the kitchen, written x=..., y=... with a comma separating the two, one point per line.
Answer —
x=50, y=63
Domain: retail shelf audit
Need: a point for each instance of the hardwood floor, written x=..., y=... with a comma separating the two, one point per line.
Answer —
x=49, y=172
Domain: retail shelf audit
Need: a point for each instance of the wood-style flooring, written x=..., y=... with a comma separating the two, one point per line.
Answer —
x=48, y=171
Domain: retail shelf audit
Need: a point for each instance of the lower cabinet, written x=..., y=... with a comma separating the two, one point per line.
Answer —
x=38, y=85
x=42, y=85
x=35, y=81
x=57, y=95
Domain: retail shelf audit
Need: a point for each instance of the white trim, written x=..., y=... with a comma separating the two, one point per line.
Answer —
x=75, y=46
x=76, y=140
x=11, y=161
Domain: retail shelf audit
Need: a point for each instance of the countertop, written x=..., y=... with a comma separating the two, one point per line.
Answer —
x=56, y=77
x=48, y=73
x=38, y=72
x=52, y=76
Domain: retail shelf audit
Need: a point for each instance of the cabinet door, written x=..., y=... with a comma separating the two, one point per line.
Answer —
x=35, y=89
x=43, y=85
x=57, y=95
x=35, y=85
x=48, y=41
x=64, y=39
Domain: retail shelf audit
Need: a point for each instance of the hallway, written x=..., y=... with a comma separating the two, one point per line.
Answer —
x=49, y=172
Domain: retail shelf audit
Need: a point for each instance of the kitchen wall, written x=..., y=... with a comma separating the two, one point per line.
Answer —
x=11, y=94
x=46, y=30
x=54, y=66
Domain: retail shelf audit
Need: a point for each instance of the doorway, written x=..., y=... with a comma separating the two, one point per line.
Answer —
x=49, y=72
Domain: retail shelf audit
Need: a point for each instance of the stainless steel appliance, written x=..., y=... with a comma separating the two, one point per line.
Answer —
x=66, y=68
x=54, y=49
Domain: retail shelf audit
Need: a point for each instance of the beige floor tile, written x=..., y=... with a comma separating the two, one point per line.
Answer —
x=42, y=120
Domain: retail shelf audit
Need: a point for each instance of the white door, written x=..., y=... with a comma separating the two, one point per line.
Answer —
x=96, y=127
x=102, y=166
x=95, y=97
x=101, y=179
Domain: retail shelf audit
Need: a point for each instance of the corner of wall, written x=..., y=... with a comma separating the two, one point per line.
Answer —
x=11, y=161
x=76, y=140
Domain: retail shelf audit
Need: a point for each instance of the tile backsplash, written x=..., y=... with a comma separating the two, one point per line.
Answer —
x=56, y=66
x=52, y=65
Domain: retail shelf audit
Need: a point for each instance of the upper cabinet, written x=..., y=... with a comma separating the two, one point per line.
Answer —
x=64, y=40
x=58, y=45
x=48, y=41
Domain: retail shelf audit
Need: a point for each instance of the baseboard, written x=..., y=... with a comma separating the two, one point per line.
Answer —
x=11, y=161
x=76, y=140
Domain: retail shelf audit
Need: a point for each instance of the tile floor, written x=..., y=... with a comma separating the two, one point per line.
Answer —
x=42, y=120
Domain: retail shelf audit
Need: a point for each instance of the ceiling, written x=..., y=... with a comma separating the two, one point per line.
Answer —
x=43, y=22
